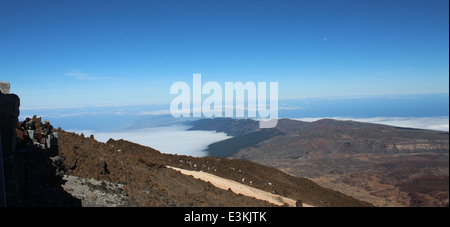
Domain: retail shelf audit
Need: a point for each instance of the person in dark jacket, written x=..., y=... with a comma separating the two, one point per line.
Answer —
x=47, y=128
x=28, y=124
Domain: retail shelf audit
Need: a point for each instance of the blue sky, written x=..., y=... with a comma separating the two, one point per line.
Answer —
x=105, y=52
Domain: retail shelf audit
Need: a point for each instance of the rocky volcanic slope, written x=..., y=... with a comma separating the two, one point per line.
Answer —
x=384, y=165
x=141, y=172
x=145, y=179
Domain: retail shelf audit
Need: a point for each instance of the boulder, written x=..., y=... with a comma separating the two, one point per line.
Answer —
x=4, y=87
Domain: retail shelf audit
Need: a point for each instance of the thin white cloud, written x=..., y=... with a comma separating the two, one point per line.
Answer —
x=57, y=115
x=59, y=107
x=154, y=113
x=291, y=108
x=79, y=75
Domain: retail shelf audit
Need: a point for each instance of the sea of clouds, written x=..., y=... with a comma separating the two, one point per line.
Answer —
x=170, y=140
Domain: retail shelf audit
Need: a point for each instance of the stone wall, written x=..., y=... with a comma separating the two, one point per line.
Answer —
x=9, y=117
x=9, y=113
x=30, y=177
x=4, y=87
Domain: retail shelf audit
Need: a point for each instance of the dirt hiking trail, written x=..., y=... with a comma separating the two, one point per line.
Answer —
x=239, y=188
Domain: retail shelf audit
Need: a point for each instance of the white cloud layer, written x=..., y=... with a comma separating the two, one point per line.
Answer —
x=170, y=140
x=432, y=123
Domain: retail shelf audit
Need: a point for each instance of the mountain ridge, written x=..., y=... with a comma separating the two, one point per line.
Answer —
x=372, y=162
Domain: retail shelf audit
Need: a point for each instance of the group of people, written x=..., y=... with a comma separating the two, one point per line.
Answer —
x=42, y=137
